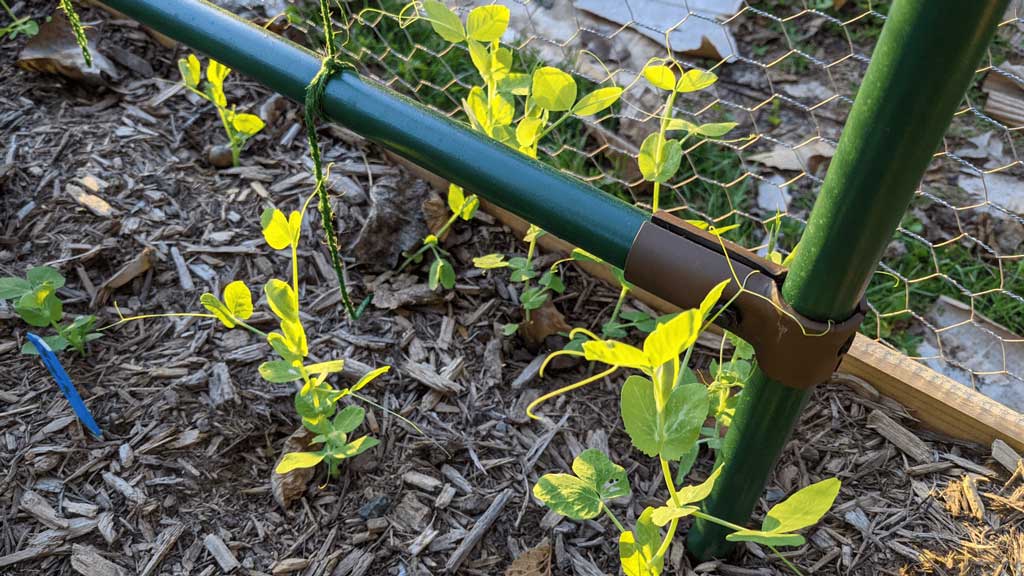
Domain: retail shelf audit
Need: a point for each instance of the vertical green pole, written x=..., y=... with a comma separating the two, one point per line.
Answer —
x=923, y=63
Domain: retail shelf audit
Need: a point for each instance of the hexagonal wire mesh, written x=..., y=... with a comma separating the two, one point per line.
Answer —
x=951, y=287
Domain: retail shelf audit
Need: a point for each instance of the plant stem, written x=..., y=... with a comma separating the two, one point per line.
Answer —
x=786, y=561
x=661, y=133
x=612, y=517
x=623, y=292
x=666, y=471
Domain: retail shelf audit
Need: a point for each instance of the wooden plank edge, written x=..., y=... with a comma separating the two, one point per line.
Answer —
x=937, y=401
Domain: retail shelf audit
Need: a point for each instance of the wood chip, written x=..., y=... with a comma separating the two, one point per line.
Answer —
x=130, y=271
x=1006, y=456
x=289, y=565
x=41, y=510
x=481, y=527
x=92, y=202
x=164, y=543
x=1005, y=96
x=974, y=502
x=221, y=388
x=221, y=553
x=456, y=478
x=900, y=437
x=426, y=375
x=121, y=486
x=184, y=276
x=81, y=509
x=88, y=562
x=422, y=481
x=422, y=541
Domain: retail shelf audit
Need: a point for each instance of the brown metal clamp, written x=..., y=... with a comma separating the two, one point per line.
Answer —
x=680, y=263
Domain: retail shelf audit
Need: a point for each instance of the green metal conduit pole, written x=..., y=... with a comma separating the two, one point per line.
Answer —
x=553, y=200
x=923, y=63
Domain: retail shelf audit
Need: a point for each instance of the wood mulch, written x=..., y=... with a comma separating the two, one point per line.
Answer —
x=180, y=482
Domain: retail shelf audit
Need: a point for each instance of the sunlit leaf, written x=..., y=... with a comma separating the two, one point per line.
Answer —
x=553, y=89
x=248, y=124
x=276, y=229
x=238, y=300
x=487, y=23
x=456, y=198
x=216, y=72
x=369, y=377
x=445, y=22
x=715, y=129
x=597, y=101
x=217, y=308
x=638, y=548
x=694, y=80
x=671, y=338
x=659, y=158
x=294, y=460
x=712, y=298
x=615, y=353
x=295, y=335
x=804, y=508
x=282, y=299
x=328, y=367
x=583, y=496
x=671, y=433
x=660, y=76
x=490, y=261
x=527, y=131
x=684, y=497
x=278, y=371
x=355, y=447
x=191, y=70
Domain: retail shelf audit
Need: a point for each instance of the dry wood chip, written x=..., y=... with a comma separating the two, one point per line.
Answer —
x=88, y=562
x=356, y=563
x=221, y=553
x=289, y=565
x=184, y=276
x=39, y=508
x=422, y=541
x=121, y=486
x=222, y=389
x=81, y=508
x=476, y=533
x=974, y=502
x=456, y=478
x=138, y=265
x=105, y=526
x=900, y=437
x=445, y=496
x=92, y=202
x=426, y=375
x=1006, y=456
x=421, y=480
x=164, y=543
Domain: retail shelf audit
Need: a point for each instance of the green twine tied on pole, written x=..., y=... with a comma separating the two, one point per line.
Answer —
x=329, y=65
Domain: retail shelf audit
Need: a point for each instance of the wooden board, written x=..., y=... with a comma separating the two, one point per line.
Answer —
x=939, y=402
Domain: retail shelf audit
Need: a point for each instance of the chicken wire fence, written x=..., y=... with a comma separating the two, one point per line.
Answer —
x=950, y=291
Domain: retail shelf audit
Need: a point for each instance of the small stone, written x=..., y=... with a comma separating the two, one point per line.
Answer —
x=375, y=508
x=220, y=156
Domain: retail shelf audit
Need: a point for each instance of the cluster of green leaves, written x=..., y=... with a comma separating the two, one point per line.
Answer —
x=317, y=400
x=23, y=25
x=239, y=127
x=523, y=271
x=660, y=156
x=442, y=273
x=514, y=108
x=35, y=300
x=663, y=410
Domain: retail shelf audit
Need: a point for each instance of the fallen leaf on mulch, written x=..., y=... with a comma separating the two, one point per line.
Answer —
x=289, y=486
x=435, y=212
x=534, y=562
x=55, y=51
x=544, y=321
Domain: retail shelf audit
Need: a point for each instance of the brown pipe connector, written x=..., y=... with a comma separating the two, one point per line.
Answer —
x=681, y=263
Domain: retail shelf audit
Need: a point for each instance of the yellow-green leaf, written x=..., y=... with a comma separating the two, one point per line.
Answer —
x=597, y=101
x=276, y=229
x=476, y=108
x=553, y=89
x=694, y=80
x=238, y=300
x=469, y=207
x=502, y=110
x=481, y=59
x=712, y=298
x=659, y=158
x=294, y=460
x=445, y=22
x=216, y=72
x=191, y=70
x=670, y=338
x=487, y=23
x=295, y=335
x=527, y=131
x=284, y=347
x=615, y=353
x=715, y=129
x=456, y=198
x=660, y=76
x=279, y=371
x=639, y=547
x=328, y=367
x=369, y=377
x=803, y=508
x=217, y=308
x=680, y=124
x=282, y=299
x=248, y=124
x=490, y=262
x=684, y=497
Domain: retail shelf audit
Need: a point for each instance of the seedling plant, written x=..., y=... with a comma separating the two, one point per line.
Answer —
x=317, y=400
x=239, y=127
x=664, y=410
x=514, y=108
x=523, y=271
x=18, y=25
x=36, y=302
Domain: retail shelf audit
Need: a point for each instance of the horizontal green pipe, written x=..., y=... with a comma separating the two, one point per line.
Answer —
x=555, y=201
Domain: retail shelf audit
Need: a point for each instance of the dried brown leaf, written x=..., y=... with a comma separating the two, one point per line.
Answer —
x=288, y=487
x=534, y=562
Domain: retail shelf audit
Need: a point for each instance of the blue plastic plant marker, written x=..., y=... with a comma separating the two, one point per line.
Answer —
x=64, y=383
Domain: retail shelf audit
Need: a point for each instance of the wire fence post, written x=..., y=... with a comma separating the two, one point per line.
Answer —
x=922, y=66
